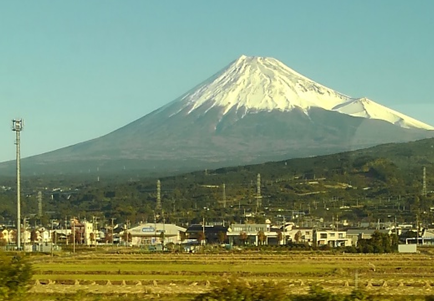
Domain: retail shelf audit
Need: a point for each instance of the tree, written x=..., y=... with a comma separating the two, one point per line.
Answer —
x=221, y=236
x=297, y=236
x=279, y=237
x=78, y=237
x=162, y=238
x=15, y=277
x=243, y=237
x=92, y=238
x=41, y=234
x=108, y=237
x=127, y=237
x=3, y=241
x=183, y=236
x=53, y=236
x=378, y=243
x=33, y=236
x=261, y=237
x=14, y=236
x=201, y=237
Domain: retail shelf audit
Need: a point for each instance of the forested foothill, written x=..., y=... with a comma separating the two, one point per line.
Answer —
x=383, y=184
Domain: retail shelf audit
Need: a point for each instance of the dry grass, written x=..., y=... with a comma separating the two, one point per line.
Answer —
x=175, y=275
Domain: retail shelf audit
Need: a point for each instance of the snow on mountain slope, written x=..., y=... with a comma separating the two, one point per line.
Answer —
x=261, y=84
x=252, y=84
x=366, y=108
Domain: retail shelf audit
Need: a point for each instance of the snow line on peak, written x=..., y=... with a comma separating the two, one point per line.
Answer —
x=366, y=108
x=256, y=83
x=262, y=83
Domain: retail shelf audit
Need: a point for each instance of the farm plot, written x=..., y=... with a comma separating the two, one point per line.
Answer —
x=180, y=276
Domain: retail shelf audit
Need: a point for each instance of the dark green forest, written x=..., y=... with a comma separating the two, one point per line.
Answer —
x=383, y=183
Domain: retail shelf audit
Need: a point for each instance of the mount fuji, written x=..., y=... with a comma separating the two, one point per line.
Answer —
x=254, y=110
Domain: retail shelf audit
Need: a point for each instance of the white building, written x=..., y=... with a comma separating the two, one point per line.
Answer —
x=250, y=232
x=299, y=235
x=154, y=233
x=332, y=238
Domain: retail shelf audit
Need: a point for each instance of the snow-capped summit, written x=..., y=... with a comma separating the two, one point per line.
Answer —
x=265, y=84
x=262, y=84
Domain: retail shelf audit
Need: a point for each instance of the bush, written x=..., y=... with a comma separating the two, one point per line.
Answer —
x=269, y=291
x=15, y=277
x=317, y=293
x=238, y=290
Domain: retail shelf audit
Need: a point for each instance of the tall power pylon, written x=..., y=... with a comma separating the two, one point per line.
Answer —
x=17, y=127
x=424, y=182
x=258, y=191
x=158, y=206
x=40, y=204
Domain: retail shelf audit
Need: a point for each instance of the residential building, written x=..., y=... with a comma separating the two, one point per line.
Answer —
x=332, y=238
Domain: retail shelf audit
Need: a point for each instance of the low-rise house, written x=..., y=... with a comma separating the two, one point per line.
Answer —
x=356, y=234
x=299, y=235
x=426, y=237
x=213, y=234
x=332, y=238
x=250, y=234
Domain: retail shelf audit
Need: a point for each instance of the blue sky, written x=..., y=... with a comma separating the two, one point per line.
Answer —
x=77, y=70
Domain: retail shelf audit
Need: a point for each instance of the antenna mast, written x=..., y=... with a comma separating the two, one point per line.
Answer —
x=17, y=127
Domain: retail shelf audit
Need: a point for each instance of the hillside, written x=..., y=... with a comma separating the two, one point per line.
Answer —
x=377, y=183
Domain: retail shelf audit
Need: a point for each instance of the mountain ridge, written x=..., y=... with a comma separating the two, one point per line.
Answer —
x=239, y=86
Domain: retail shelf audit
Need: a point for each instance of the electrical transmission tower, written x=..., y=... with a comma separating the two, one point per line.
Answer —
x=424, y=182
x=258, y=192
x=40, y=204
x=158, y=207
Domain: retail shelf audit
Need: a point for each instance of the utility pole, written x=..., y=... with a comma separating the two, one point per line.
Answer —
x=94, y=223
x=164, y=231
x=52, y=236
x=73, y=236
x=203, y=230
x=155, y=229
x=127, y=236
x=224, y=195
x=24, y=233
x=66, y=229
x=112, y=230
x=417, y=229
x=17, y=127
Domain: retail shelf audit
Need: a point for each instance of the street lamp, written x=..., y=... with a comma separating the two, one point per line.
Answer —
x=17, y=127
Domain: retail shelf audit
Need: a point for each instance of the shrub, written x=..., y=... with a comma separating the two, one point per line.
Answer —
x=237, y=290
x=15, y=277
